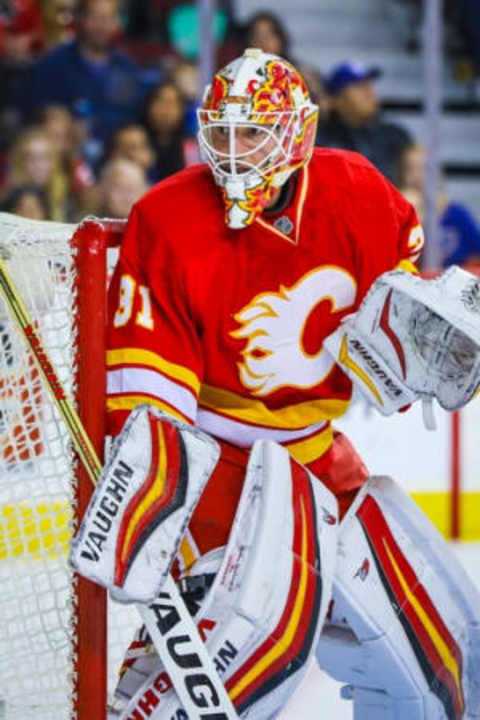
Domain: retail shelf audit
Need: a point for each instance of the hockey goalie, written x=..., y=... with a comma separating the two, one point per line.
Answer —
x=252, y=293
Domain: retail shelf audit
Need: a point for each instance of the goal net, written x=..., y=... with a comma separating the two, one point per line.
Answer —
x=52, y=624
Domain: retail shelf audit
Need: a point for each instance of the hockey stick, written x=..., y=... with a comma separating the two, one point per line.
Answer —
x=167, y=619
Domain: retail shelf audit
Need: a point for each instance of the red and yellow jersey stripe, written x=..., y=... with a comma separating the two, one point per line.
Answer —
x=136, y=376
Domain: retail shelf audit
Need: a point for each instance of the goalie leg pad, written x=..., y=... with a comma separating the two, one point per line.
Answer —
x=404, y=630
x=263, y=614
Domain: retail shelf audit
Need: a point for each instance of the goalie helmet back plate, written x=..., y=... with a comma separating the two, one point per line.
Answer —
x=257, y=126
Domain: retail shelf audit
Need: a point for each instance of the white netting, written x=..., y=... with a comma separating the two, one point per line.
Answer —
x=37, y=486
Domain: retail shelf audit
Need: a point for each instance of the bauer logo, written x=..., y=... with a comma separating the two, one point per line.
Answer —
x=99, y=521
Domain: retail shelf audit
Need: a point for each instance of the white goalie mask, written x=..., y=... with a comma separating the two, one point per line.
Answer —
x=257, y=126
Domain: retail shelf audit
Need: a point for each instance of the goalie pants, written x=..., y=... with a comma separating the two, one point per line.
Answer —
x=340, y=469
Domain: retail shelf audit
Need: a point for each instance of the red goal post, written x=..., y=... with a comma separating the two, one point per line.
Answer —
x=93, y=239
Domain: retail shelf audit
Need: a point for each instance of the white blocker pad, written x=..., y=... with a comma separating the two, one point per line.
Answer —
x=263, y=614
x=147, y=492
x=413, y=338
x=404, y=631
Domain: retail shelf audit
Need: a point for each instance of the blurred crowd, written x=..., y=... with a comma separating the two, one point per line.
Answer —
x=98, y=101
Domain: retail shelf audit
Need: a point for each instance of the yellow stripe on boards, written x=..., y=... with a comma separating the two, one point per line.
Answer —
x=44, y=529
x=437, y=507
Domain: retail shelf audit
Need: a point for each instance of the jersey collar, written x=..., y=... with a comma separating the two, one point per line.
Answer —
x=291, y=215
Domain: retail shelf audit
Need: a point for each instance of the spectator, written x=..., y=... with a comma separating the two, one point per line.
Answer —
x=471, y=26
x=90, y=69
x=34, y=160
x=59, y=21
x=265, y=30
x=410, y=168
x=355, y=122
x=58, y=123
x=21, y=31
x=88, y=147
x=28, y=201
x=132, y=143
x=185, y=75
x=10, y=122
x=169, y=29
x=164, y=119
x=459, y=231
x=122, y=183
x=21, y=40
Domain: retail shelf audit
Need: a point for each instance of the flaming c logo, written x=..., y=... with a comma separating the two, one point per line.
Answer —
x=273, y=324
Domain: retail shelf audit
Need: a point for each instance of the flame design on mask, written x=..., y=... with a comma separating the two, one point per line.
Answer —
x=275, y=95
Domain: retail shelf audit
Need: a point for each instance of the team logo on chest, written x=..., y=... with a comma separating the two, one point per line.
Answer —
x=273, y=324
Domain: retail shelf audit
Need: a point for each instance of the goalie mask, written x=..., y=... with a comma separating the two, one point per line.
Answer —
x=256, y=127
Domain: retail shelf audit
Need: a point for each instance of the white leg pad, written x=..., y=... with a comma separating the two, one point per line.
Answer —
x=403, y=631
x=263, y=613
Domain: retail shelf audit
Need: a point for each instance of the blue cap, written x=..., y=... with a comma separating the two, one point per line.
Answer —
x=347, y=73
x=82, y=108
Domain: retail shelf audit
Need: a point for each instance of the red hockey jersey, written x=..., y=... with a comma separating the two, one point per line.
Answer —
x=224, y=328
